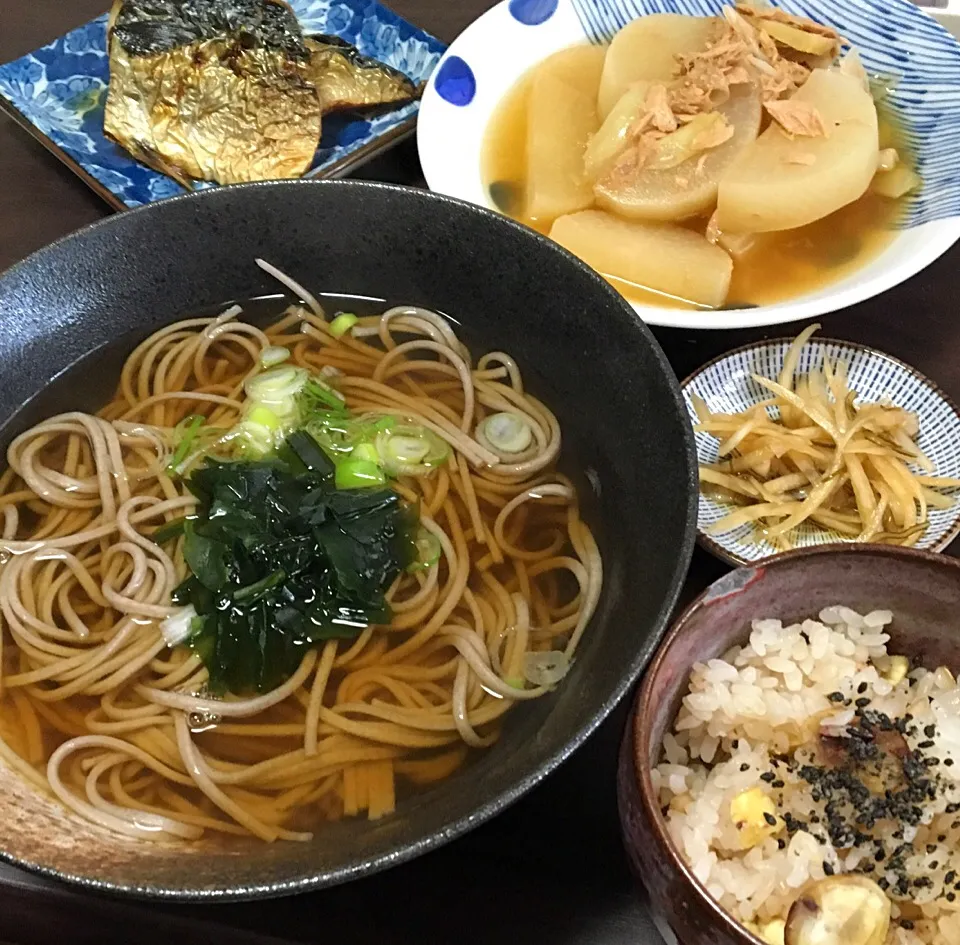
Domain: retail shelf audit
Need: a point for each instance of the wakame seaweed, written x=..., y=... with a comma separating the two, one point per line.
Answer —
x=281, y=559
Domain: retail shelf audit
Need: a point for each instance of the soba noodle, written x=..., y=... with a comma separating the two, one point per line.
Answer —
x=123, y=729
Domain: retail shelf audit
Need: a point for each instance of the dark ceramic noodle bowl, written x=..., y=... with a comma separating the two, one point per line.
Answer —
x=922, y=590
x=581, y=349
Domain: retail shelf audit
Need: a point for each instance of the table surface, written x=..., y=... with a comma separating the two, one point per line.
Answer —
x=551, y=869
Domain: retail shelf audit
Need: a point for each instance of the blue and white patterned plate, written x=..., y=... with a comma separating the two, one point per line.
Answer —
x=895, y=38
x=727, y=387
x=58, y=92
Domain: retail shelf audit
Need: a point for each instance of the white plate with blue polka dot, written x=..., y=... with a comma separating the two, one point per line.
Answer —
x=917, y=58
x=726, y=386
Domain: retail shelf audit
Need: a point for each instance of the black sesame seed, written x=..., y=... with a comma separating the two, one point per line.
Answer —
x=862, y=688
x=950, y=897
x=778, y=783
x=827, y=868
x=933, y=864
x=906, y=924
x=735, y=744
x=835, y=696
x=861, y=702
x=767, y=776
x=883, y=882
x=948, y=762
x=926, y=744
x=781, y=843
x=931, y=848
x=770, y=819
x=950, y=877
x=930, y=730
x=744, y=767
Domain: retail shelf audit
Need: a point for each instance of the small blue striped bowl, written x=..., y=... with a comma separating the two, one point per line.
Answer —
x=726, y=386
x=895, y=38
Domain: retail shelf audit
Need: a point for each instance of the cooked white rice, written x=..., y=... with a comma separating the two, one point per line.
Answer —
x=755, y=717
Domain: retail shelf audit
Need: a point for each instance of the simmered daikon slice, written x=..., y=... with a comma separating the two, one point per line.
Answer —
x=561, y=116
x=658, y=256
x=657, y=191
x=781, y=181
x=647, y=49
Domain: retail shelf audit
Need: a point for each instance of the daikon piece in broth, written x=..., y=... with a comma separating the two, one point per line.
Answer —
x=562, y=116
x=769, y=268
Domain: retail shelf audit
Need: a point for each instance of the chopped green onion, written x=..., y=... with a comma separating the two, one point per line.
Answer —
x=253, y=439
x=428, y=550
x=342, y=324
x=276, y=386
x=406, y=449
x=337, y=435
x=316, y=397
x=517, y=682
x=410, y=450
x=264, y=417
x=367, y=452
x=384, y=423
x=187, y=428
x=273, y=355
x=545, y=668
x=178, y=627
x=507, y=432
x=358, y=474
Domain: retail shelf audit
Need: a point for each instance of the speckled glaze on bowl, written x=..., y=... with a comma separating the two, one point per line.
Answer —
x=511, y=290
x=921, y=588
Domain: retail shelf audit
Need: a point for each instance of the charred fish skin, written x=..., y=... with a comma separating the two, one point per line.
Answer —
x=148, y=27
x=346, y=79
x=212, y=89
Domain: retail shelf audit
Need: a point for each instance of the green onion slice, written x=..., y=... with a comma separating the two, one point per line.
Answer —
x=428, y=550
x=342, y=324
x=507, y=432
x=273, y=355
x=186, y=431
x=408, y=450
x=276, y=386
x=358, y=474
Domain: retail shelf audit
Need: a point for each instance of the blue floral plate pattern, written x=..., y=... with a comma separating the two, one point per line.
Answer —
x=58, y=92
